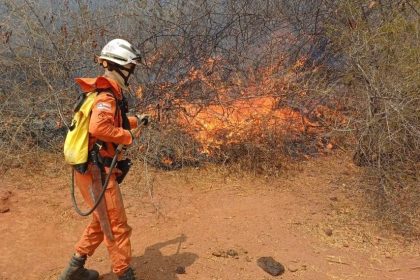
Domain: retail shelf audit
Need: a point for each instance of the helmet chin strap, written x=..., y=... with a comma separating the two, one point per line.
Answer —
x=118, y=68
x=130, y=71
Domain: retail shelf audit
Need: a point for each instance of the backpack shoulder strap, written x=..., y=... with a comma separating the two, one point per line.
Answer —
x=82, y=97
x=79, y=102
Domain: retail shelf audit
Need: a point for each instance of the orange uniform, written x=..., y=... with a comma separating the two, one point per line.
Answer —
x=106, y=125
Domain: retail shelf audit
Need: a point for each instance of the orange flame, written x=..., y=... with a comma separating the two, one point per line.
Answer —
x=245, y=106
x=215, y=125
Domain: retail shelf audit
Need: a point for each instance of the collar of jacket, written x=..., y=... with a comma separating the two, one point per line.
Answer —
x=101, y=82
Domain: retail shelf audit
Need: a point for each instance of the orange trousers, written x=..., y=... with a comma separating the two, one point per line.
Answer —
x=120, y=248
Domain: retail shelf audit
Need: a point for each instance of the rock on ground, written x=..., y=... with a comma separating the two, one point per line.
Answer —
x=271, y=266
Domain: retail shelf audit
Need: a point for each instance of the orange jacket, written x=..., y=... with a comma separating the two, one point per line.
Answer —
x=106, y=120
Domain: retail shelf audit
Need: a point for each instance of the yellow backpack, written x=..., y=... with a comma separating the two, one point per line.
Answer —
x=76, y=145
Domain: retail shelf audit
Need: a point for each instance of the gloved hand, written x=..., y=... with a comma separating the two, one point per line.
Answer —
x=143, y=119
x=135, y=133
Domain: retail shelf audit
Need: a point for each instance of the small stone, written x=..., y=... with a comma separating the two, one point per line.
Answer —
x=219, y=254
x=328, y=231
x=292, y=268
x=248, y=259
x=4, y=195
x=271, y=266
x=180, y=270
x=232, y=253
x=333, y=198
x=4, y=209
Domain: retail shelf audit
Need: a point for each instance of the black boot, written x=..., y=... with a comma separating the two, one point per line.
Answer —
x=130, y=274
x=76, y=270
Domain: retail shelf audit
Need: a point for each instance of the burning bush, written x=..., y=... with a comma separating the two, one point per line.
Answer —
x=197, y=58
x=244, y=120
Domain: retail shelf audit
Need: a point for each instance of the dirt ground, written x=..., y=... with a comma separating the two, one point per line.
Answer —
x=311, y=219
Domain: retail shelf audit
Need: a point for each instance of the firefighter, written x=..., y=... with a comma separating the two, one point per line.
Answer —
x=110, y=127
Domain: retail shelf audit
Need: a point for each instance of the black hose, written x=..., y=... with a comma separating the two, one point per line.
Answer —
x=101, y=195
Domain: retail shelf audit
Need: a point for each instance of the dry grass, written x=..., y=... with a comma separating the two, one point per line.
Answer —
x=360, y=58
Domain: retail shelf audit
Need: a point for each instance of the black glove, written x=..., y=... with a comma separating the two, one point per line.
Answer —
x=143, y=119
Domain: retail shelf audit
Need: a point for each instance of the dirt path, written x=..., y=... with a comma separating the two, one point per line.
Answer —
x=309, y=220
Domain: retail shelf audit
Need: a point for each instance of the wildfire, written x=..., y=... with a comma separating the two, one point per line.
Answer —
x=217, y=125
x=240, y=108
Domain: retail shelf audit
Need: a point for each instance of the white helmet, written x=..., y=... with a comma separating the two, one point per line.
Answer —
x=120, y=52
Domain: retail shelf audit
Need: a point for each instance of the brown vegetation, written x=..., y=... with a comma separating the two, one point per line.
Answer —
x=383, y=78
x=255, y=83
